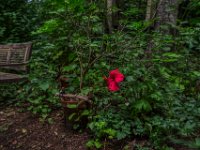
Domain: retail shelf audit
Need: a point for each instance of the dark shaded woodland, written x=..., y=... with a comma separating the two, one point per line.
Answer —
x=135, y=62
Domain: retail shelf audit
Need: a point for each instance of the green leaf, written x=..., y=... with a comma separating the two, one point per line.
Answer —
x=72, y=106
x=97, y=144
x=196, y=73
x=86, y=90
x=58, y=54
x=172, y=55
x=142, y=105
x=69, y=68
x=50, y=120
x=197, y=142
x=157, y=95
x=129, y=78
x=44, y=86
x=85, y=113
x=90, y=143
x=120, y=135
x=110, y=132
x=48, y=27
x=71, y=116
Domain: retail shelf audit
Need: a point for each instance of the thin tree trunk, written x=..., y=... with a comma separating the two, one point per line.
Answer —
x=148, y=17
x=112, y=14
x=148, y=10
x=109, y=21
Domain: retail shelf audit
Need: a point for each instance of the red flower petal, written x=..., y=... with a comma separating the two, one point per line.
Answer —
x=116, y=75
x=112, y=85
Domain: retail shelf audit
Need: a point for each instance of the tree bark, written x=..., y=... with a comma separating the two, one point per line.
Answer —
x=109, y=21
x=167, y=12
x=148, y=10
x=112, y=14
x=165, y=15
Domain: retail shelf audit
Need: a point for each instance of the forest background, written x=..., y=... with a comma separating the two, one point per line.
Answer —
x=154, y=43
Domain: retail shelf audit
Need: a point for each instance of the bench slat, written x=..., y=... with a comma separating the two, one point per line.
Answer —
x=10, y=77
x=15, y=54
x=14, y=57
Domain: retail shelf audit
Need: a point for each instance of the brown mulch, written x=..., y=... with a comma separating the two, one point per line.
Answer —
x=23, y=131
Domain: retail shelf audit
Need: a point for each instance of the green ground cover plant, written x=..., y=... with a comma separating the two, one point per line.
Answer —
x=158, y=100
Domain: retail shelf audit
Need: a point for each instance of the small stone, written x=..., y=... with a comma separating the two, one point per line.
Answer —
x=24, y=131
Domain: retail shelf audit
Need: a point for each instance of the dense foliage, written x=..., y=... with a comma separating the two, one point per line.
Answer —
x=16, y=21
x=159, y=98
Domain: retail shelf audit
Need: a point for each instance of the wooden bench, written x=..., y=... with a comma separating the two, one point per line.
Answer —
x=14, y=57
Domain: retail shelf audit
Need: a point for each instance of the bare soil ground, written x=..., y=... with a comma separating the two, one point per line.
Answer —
x=22, y=131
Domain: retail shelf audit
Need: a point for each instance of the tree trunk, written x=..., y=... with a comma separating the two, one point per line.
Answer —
x=166, y=15
x=112, y=14
x=148, y=10
x=149, y=15
x=109, y=21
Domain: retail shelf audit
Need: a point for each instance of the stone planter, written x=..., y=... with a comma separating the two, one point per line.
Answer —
x=73, y=108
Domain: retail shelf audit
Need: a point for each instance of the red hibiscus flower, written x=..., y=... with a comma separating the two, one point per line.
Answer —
x=114, y=78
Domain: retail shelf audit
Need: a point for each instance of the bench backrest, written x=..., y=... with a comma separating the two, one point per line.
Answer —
x=15, y=56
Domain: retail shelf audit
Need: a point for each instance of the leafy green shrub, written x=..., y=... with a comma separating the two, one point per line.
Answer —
x=42, y=87
x=159, y=96
x=156, y=101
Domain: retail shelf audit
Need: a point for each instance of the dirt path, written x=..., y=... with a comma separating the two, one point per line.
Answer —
x=22, y=131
